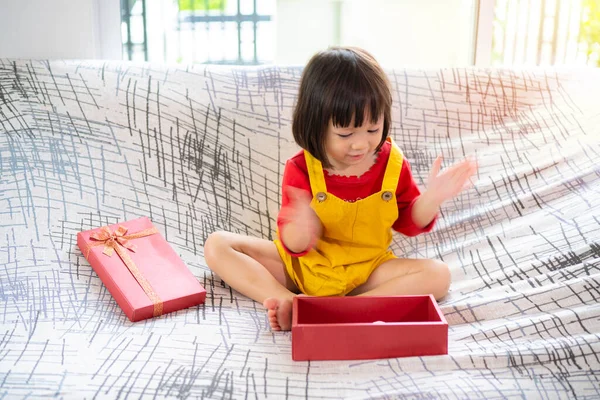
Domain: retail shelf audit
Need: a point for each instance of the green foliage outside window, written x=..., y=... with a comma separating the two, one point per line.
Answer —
x=590, y=28
x=201, y=5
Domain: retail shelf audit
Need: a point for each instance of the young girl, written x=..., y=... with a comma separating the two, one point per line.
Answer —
x=342, y=195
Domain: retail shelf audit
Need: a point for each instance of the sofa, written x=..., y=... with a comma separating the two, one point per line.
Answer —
x=200, y=148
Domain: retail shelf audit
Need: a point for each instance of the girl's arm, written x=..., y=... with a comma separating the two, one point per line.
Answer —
x=412, y=220
x=298, y=225
x=424, y=210
x=302, y=228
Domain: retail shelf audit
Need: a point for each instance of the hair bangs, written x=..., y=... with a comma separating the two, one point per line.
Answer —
x=357, y=100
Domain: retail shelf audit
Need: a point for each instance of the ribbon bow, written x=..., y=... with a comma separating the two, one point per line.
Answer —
x=118, y=241
x=112, y=239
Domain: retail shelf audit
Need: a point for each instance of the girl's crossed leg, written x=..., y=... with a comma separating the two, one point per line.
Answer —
x=406, y=276
x=254, y=268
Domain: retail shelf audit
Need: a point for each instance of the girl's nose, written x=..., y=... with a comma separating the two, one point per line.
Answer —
x=359, y=145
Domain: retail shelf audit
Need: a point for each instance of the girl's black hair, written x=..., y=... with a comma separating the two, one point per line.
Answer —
x=339, y=84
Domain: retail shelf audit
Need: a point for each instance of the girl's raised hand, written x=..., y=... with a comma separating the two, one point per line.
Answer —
x=451, y=181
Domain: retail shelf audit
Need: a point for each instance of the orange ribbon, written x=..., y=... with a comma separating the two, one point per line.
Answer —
x=120, y=242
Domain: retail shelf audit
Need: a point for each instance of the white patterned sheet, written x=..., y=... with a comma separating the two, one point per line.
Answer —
x=201, y=148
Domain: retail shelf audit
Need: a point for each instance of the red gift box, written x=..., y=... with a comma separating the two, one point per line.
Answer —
x=367, y=327
x=140, y=269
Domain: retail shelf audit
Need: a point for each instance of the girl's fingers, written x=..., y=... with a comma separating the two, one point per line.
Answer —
x=455, y=178
x=455, y=169
x=464, y=181
x=456, y=174
x=468, y=184
x=435, y=168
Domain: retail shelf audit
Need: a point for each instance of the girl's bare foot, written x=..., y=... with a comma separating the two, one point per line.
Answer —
x=279, y=312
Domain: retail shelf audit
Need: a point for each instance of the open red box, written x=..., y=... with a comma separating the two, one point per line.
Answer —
x=343, y=328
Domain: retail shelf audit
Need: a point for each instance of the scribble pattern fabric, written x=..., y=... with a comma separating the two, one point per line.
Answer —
x=202, y=148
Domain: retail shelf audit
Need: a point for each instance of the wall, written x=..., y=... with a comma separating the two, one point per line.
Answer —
x=81, y=29
x=303, y=27
x=397, y=32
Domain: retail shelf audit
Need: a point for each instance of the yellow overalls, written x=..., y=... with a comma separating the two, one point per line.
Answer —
x=356, y=236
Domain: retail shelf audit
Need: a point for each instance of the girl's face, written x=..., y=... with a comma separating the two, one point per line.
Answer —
x=350, y=149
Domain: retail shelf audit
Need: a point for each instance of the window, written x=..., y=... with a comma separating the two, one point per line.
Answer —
x=198, y=31
x=539, y=32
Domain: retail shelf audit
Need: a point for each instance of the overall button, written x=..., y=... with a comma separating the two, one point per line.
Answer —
x=387, y=196
x=321, y=196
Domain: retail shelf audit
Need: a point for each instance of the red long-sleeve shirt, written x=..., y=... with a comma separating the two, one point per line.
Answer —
x=352, y=188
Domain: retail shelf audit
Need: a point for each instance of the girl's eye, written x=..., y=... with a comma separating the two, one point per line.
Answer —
x=345, y=136
x=374, y=130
